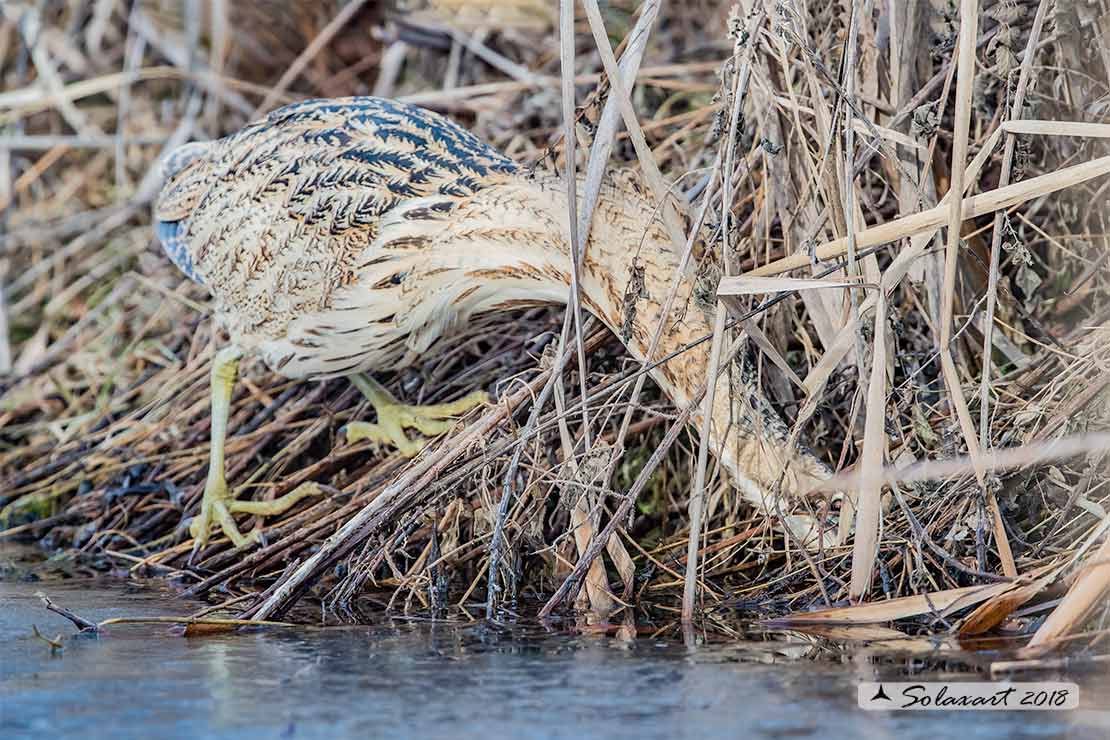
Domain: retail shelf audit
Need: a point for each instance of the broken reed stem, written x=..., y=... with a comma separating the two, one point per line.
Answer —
x=965, y=78
x=582, y=520
x=497, y=542
x=82, y=624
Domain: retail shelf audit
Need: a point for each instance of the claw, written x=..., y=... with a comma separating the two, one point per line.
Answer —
x=193, y=553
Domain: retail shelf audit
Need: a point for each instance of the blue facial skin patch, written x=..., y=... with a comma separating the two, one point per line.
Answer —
x=169, y=233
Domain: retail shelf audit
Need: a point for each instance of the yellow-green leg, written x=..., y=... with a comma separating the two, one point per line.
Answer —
x=394, y=417
x=219, y=503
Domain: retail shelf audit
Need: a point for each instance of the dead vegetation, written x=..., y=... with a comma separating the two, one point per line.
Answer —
x=781, y=125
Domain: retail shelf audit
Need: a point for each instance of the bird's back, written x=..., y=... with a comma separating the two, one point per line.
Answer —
x=274, y=218
x=348, y=235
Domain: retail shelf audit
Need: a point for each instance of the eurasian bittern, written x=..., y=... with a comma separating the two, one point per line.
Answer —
x=343, y=236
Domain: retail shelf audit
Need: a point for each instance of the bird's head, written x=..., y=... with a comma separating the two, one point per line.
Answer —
x=169, y=232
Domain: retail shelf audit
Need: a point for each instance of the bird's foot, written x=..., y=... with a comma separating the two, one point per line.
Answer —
x=219, y=504
x=394, y=417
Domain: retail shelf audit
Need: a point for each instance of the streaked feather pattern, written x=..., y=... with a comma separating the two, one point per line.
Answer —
x=347, y=235
x=278, y=216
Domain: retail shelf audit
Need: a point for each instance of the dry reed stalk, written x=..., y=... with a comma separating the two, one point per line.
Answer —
x=577, y=238
x=1086, y=593
x=969, y=15
x=622, y=96
x=865, y=546
x=1057, y=128
x=696, y=506
x=104, y=426
x=936, y=602
x=929, y=220
x=1015, y=114
x=1027, y=455
x=731, y=286
x=327, y=33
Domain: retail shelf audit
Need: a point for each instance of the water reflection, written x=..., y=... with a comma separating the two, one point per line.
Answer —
x=403, y=679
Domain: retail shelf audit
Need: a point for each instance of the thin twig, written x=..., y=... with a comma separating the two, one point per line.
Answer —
x=84, y=625
x=327, y=33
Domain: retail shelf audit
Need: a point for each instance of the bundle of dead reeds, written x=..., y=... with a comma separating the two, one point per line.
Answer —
x=949, y=354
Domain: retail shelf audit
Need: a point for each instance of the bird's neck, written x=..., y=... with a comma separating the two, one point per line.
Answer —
x=513, y=239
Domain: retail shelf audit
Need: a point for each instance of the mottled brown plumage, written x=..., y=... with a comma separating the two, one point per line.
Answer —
x=340, y=236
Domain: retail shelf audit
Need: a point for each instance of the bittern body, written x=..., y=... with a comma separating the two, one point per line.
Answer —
x=340, y=237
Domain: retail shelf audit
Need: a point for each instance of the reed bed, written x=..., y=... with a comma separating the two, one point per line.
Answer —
x=896, y=216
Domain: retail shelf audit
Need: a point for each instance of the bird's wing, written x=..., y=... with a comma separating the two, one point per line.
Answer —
x=332, y=144
x=329, y=166
x=280, y=217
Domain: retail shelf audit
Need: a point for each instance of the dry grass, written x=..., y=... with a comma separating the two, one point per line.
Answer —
x=791, y=164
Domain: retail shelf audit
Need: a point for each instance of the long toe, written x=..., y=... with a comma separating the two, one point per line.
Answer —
x=392, y=435
x=394, y=417
x=227, y=525
x=451, y=408
x=277, y=506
